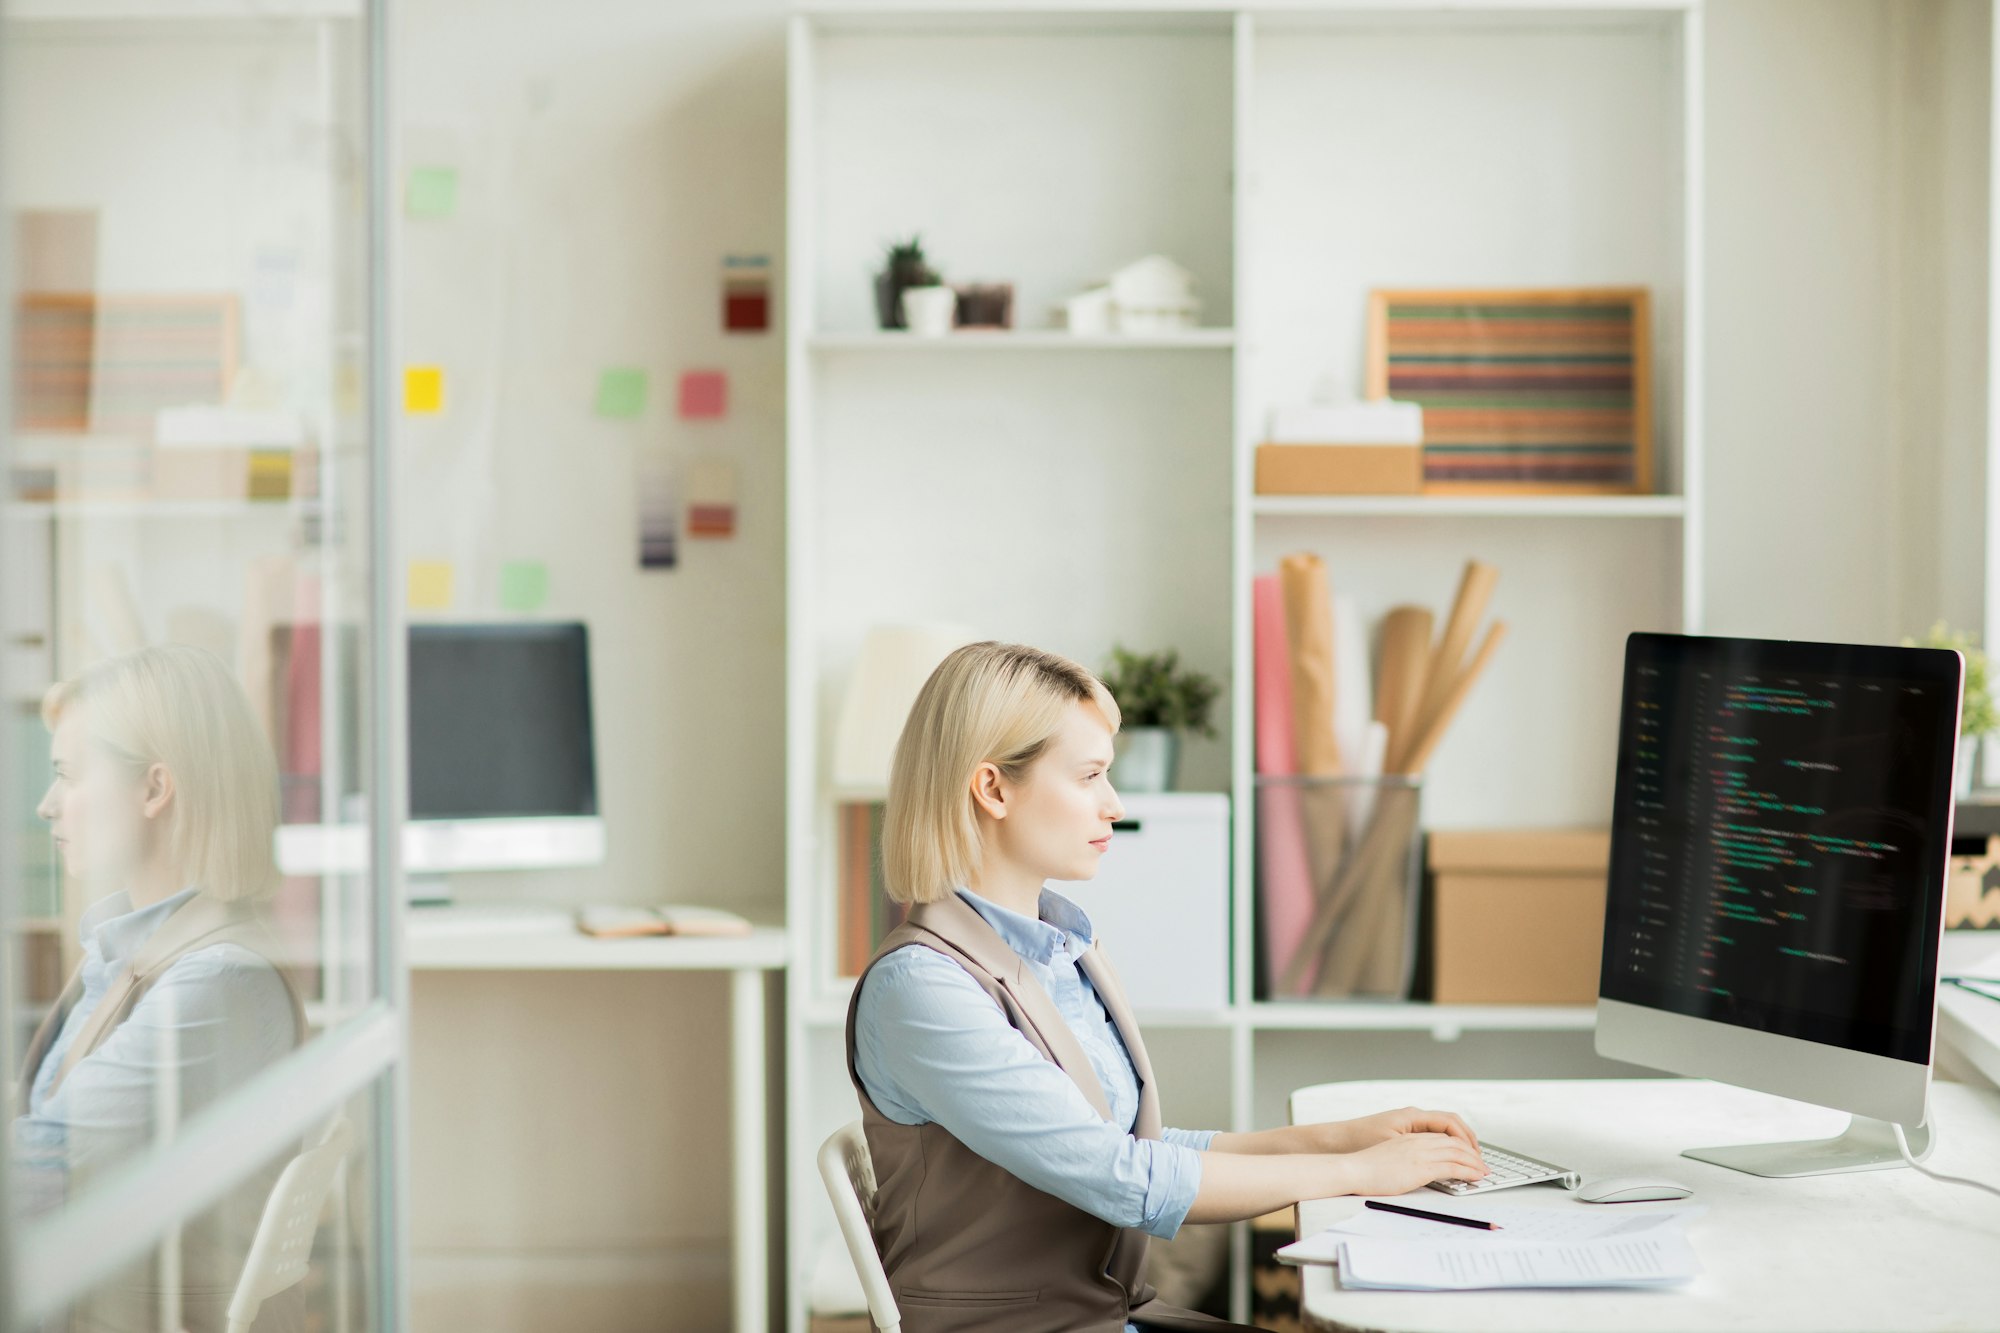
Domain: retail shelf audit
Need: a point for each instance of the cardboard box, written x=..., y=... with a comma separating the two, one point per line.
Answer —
x=1972, y=895
x=1517, y=917
x=1340, y=469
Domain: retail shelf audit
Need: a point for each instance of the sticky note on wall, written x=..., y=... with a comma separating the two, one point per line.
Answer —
x=704, y=394
x=429, y=585
x=524, y=585
x=431, y=192
x=711, y=494
x=423, y=389
x=621, y=392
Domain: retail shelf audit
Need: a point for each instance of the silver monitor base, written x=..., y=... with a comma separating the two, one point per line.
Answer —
x=1867, y=1144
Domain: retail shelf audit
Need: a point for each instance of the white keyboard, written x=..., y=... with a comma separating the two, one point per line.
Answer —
x=1509, y=1168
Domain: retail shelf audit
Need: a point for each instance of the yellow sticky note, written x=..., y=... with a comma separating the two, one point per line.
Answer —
x=430, y=585
x=423, y=389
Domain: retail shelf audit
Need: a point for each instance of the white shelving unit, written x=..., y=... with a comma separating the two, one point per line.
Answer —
x=1291, y=157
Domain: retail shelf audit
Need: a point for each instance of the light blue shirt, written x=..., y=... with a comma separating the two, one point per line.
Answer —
x=931, y=1046
x=215, y=1017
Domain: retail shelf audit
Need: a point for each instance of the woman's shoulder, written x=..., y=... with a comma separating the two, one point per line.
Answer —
x=912, y=978
x=227, y=969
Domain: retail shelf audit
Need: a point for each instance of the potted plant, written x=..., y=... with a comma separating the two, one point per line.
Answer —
x=1158, y=700
x=904, y=266
x=1977, y=718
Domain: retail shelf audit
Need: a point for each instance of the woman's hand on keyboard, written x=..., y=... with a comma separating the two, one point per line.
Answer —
x=1369, y=1130
x=1411, y=1161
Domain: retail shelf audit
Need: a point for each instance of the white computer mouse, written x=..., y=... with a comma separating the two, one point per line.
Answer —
x=1631, y=1189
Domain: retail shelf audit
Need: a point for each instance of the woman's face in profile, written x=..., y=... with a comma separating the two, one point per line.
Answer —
x=95, y=805
x=1061, y=816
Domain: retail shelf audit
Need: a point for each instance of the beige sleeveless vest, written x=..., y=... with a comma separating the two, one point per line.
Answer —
x=214, y=1245
x=970, y=1246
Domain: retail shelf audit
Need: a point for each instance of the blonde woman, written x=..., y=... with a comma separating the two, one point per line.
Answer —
x=162, y=804
x=1009, y=1106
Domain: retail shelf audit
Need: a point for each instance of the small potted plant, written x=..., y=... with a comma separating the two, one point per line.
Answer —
x=1977, y=718
x=904, y=266
x=1158, y=699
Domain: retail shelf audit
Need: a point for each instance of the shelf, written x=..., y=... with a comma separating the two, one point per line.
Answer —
x=1470, y=506
x=1026, y=340
x=141, y=508
x=1443, y=1021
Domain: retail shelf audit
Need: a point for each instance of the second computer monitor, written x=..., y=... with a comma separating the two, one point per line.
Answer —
x=1780, y=832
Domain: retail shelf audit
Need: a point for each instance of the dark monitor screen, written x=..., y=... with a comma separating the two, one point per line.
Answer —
x=1779, y=837
x=500, y=722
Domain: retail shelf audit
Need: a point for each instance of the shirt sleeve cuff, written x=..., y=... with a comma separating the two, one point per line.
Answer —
x=1170, y=1191
x=1197, y=1139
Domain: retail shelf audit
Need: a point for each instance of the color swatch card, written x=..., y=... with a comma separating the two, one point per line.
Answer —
x=711, y=493
x=746, y=294
x=659, y=518
x=704, y=395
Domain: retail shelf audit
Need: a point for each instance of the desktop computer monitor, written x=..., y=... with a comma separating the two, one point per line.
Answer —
x=502, y=766
x=1780, y=832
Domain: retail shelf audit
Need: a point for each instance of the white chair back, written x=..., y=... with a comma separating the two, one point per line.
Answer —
x=850, y=1183
x=283, y=1245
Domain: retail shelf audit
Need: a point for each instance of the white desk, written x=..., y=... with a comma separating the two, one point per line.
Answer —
x=470, y=939
x=1968, y=1024
x=1854, y=1253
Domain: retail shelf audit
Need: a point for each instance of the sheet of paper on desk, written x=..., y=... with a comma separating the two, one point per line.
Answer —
x=1517, y=1225
x=1654, y=1258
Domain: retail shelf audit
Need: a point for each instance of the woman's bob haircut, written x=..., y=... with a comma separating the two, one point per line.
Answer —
x=998, y=703
x=179, y=707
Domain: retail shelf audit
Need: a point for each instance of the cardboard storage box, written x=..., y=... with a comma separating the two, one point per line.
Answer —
x=1517, y=917
x=1340, y=469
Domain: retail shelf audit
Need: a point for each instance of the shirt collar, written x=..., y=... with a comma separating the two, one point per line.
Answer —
x=1035, y=940
x=119, y=930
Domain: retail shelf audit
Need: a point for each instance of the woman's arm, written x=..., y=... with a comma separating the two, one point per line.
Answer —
x=1341, y=1136
x=931, y=1046
x=1236, y=1186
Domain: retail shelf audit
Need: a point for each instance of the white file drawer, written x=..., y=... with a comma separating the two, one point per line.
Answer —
x=1160, y=902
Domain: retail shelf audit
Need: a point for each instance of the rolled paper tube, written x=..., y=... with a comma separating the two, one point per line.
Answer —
x=1434, y=734
x=1399, y=676
x=1475, y=588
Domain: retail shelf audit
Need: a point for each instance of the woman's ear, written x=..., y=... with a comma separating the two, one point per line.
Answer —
x=159, y=791
x=988, y=793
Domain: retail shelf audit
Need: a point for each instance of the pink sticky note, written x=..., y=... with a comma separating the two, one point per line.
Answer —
x=704, y=393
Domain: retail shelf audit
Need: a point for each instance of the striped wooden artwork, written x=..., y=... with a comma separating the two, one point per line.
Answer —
x=85, y=362
x=1523, y=391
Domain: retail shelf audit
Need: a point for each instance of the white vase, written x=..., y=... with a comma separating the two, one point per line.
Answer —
x=1968, y=754
x=929, y=311
x=1146, y=759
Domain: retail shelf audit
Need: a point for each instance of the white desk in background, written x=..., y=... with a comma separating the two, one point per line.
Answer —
x=1968, y=1024
x=1854, y=1253
x=511, y=939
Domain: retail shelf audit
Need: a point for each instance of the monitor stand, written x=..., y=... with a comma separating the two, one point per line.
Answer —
x=1867, y=1144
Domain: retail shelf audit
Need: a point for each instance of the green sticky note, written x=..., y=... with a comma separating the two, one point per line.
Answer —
x=621, y=392
x=432, y=192
x=524, y=585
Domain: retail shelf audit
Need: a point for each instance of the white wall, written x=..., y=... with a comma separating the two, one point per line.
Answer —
x=1846, y=331
x=568, y=1137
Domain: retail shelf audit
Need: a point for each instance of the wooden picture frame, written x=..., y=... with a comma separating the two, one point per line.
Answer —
x=85, y=362
x=1525, y=391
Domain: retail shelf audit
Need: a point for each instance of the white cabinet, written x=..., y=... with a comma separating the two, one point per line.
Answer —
x=1160, y=901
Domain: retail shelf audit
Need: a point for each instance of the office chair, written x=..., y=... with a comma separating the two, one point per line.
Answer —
x=283, y=1245
x=850, y=1183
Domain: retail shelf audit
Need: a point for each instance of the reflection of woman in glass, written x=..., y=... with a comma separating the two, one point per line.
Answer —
x=163, y=805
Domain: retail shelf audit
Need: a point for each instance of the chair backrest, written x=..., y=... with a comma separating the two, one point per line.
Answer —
x=850, y=1183
x=283, y=1246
